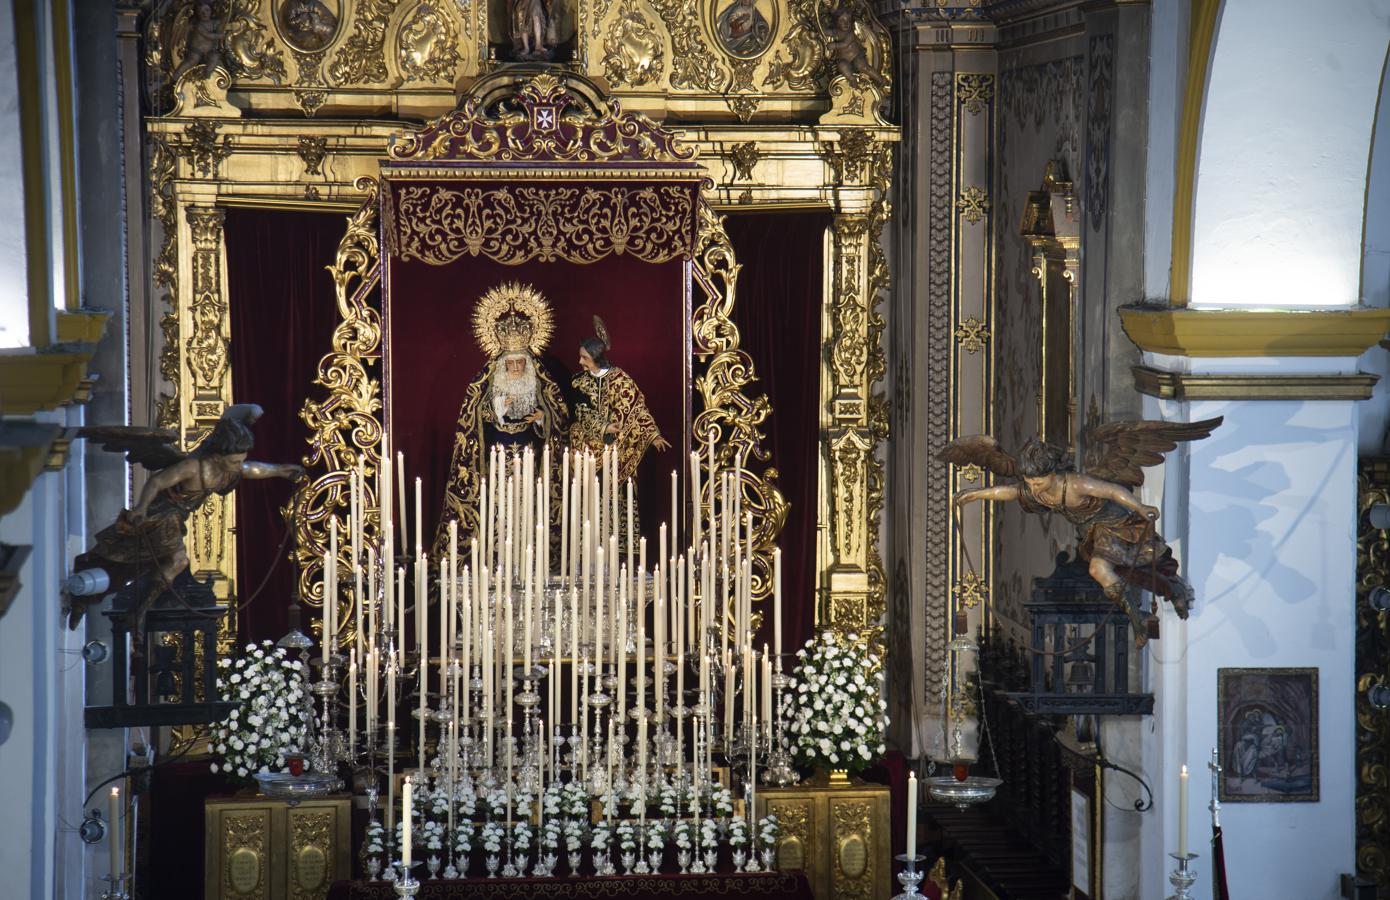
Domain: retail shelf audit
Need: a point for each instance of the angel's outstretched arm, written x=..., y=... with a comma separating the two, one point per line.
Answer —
x=256, y=470
x=998, y=493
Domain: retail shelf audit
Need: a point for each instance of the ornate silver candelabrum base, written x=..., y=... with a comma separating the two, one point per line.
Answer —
x=406, y=886
x=909, y=877
x=116, y=889
x=1183, y=877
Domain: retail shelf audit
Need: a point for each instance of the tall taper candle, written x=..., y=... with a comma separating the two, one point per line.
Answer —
x=1182, y=812
x=407, y=820
x=911, y=814
x=117, y=833
x=352, y=702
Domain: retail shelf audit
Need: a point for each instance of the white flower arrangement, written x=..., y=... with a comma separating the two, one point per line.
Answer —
x=656, y=835
x=738, y=832
x=667, y=796
x=722, y=800
x=576, y=799
x=574, y=835
x=709, y=832
x=463, y=839
x=600, y=838
x=550, y=835
x=521, y=836
x=627, y=835
x=268, y=688
x=493, y=833
x=769, y=830
x=375, y=842
x=433, y=834
x=496, y=801
x=838, y=711
x=685, y=834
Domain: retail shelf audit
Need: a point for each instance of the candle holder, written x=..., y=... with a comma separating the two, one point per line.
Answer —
x=909, y=877
x=1183, y=877
x=116, y=887
x=406, y=886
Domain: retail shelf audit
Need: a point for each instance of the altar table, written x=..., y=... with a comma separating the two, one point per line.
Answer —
x=770, y=885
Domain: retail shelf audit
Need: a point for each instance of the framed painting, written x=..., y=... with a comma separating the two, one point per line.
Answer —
x=1268, y=732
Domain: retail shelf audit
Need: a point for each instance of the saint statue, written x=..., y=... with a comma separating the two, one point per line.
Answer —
x=533, y=28
x=512, y=401
x=1117, y=533
x=609, y=409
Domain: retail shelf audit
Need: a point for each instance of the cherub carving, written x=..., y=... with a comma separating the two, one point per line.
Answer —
x=203, y=47
x=1117, y=533
x=144, y=547
x=847, y=51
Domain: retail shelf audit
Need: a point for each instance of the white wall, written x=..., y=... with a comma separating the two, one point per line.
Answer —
x=1375, y=273
x=1262, y=515
x=14, y=308
x=1284, y=144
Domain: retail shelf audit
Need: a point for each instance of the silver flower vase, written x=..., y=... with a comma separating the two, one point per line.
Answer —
x=432, y=864
x=573, y=858
x=373, y=867
x=769, y=855
x=739, y=857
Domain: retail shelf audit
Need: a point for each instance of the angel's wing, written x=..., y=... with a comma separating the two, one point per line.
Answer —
x=1118, y=451
x=980, y=450
x=153, y=448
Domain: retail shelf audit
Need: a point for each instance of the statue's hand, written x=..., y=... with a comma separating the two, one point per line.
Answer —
x=661, y=444
x=135, y=517
x=1149, y=512
x=295, y=472
x=965, y=497
x=535, y=417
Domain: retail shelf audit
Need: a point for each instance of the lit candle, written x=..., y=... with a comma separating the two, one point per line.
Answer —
x=407, y=819
x=1182, y=812
x=911, y=814
x=117, y=833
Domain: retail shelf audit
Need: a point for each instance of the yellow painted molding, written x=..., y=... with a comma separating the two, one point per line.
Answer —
x=84, y=326
x=1201, y=34
x=1255, y=332
x=24, y=451
x=1187, y=386
x=32, y=381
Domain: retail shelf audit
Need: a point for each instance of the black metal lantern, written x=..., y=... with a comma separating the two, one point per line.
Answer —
x=164, y=669
x=1088, y=632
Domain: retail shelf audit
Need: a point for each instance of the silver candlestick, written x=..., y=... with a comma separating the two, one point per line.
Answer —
x=1183, y=877
x=909, y=877
x=405, y=886
x=117, y=889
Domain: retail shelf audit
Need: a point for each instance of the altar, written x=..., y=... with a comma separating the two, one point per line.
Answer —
x=764, y=886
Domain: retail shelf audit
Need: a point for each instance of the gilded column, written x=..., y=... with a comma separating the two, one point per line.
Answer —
x=205, y=381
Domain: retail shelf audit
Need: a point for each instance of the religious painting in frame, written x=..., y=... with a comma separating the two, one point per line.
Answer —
x=1268, y=734
x=744, y=28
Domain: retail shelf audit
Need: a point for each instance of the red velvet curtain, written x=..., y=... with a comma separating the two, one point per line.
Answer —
x=283, y=312
x=777, y=311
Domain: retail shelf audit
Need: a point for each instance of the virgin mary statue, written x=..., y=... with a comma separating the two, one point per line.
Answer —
x=512, y=401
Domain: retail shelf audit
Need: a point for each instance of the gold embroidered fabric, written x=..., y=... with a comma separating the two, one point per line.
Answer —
x=515, y=224
x=616, y=400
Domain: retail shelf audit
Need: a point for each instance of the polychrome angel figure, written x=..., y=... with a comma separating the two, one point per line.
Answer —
x=145, y=545
x=1117, y=533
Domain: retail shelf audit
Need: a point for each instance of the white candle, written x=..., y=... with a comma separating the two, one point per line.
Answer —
x=352, y=702
x=777, y=602
x=419, y=519
x=401, y=500
x=116, y=840
x=407, y=819
x=1182, y=812
x=911, y=814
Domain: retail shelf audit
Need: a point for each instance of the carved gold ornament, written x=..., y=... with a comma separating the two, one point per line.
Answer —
x=973, y=204
x=544, y=222
x=970, y=590
x=974, y=91
x=512, y=318
x=426, y=45
x=972, y=335
x=633, y=50
x=362, y=57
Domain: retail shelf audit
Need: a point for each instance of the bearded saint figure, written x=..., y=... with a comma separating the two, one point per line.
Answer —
x=609, y=409
x=512, y=401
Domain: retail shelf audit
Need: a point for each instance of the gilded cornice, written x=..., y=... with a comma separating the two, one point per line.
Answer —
x=24, y=450
x=1187, y=386
x=1255, y=332
x=37, y=380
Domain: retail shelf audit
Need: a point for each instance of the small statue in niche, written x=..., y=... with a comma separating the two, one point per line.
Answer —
x=309, y=24
x=847, y=49
x=533, y=28
x=1117, y=533
x=145, y=545
x=203, y=44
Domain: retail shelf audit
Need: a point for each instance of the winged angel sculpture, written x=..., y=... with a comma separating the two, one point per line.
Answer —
x=1117, y=533
x=144, y=548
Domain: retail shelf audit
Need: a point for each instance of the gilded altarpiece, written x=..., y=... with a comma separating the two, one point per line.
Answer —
x=299, y=112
